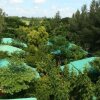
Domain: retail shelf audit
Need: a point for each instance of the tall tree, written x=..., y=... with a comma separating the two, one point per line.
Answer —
x=2, y=20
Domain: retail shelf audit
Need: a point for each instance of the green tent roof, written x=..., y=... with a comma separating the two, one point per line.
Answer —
x=21, y=99
x=5, y=62
x=6, y=40
x=9, y=49
x=80, y=65
x=70, y=45
x=10, y=40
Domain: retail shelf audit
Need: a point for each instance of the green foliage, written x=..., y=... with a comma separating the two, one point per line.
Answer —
x=97, y=90
x=14, y=22
x=2, y=20
x=97, y=53
x=95, y=73
x=47, y=24
x=96, y=64
x=35, y=22
x=95, y=76
x=83, y=88
x=43, y=88
x=59, y=42
x=60, y=87
x=29, y=59
x=3, y=55
x=86, y=24
x=75, y=53
x=39, y=58
x=38, y=37
x=37, y=48
x=16, y=77
x=21, y=33
x=63, y=49
x=12, y=26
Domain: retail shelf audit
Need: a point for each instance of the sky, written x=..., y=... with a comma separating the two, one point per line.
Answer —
x=42, y=8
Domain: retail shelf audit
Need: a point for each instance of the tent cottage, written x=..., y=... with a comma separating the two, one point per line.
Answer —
x=80, y=65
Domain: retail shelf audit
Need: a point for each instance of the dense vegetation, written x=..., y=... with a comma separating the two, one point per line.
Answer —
x=47, y=40
x=87, y=25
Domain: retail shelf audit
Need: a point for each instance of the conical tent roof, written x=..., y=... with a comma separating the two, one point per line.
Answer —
x=6, y=62
x=80, y=65
x=22, y=99
x=10, y=49
x=11, y=40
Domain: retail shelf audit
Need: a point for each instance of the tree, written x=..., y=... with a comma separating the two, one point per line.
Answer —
x=43, y=88
x=95, y=76
x=97, y=90
x=21, y=33
x=16, y=77
x=64, y=50
x=55, y=22
x=86, y=25
x=58, y=48
x=60, y=87
x=35, y=22
x=83, y=88
x=38, y=37
x=84, y=17
x=14, y=22
x=75, y=22
x=47, y=24
x=3, y=55
x=94, y=16
x=2, y=20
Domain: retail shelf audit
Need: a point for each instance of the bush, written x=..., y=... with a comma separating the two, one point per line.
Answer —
x=3, y=55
